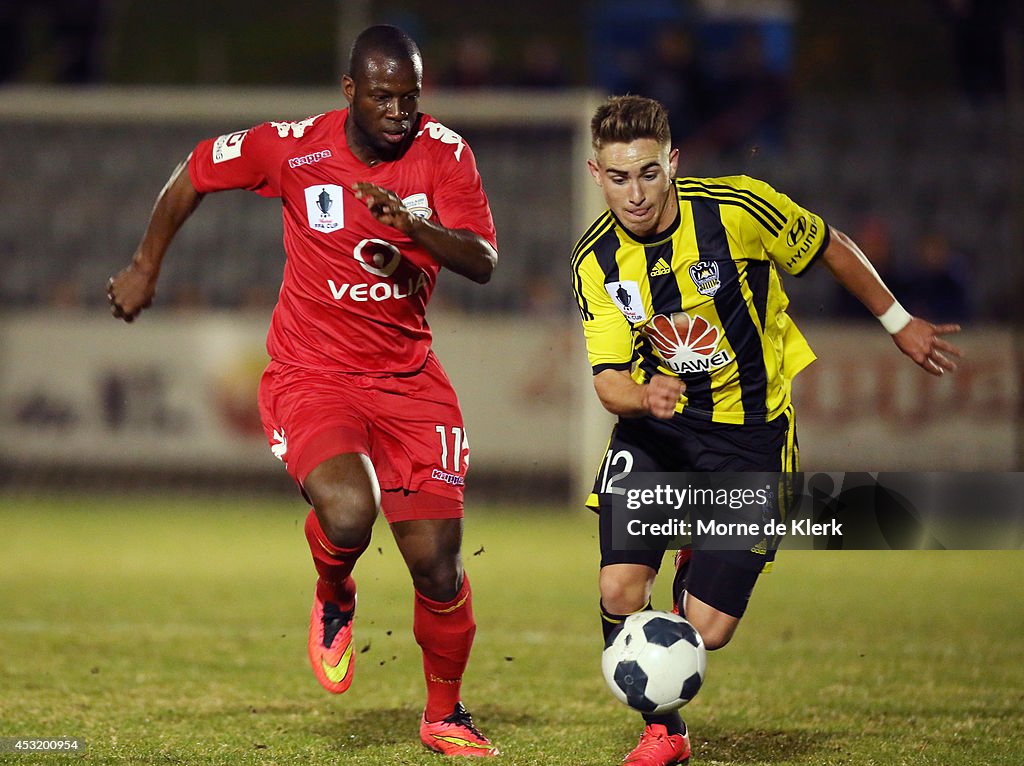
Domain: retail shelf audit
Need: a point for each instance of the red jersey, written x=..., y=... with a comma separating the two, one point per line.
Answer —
x=355, y=291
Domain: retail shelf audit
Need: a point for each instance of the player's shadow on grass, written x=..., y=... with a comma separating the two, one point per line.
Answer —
x=726, y=746
x=360, y=729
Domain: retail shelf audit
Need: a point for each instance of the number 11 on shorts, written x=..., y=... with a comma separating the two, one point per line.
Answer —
x=459, y=443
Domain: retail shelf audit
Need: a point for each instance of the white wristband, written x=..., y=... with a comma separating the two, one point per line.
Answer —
x=895, y=318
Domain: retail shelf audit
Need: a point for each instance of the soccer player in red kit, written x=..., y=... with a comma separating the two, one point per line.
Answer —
x=377, y=198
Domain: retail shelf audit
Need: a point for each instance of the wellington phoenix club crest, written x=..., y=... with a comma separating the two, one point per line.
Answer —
x=705, y=276
x=687, y=344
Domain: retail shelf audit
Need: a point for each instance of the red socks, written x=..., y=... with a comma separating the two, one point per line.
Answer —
x=444, y=632
x=333, y=564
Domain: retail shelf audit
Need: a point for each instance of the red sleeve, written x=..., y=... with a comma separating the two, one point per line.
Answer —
x=246, y=159
x=459, y=198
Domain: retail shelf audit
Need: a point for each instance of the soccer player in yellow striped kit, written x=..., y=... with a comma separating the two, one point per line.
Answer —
x=678, y=285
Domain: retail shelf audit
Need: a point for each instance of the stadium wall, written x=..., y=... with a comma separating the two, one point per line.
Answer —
x=176, y=393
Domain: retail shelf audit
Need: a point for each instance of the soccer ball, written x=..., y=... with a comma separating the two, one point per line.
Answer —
x=655, y=662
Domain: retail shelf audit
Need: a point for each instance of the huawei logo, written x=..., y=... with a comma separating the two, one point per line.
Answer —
x=687, y=344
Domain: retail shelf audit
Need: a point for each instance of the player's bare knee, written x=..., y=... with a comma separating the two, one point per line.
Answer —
x=716, y=639
x=436, y=572
x=346, y=514
x=343, y=490
x=345, y=532
x=623, y=596
x=437, y=579
x=715, y=633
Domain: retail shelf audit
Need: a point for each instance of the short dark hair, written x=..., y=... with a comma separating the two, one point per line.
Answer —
x=385, y=40
x=622, y=119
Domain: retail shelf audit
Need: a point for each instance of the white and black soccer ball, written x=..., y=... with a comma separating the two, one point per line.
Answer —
x=655, y=662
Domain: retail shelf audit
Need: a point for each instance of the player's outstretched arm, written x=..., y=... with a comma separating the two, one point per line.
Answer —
x=623, y=396
x=459, y=250
x=132, y=289
x=921, y=340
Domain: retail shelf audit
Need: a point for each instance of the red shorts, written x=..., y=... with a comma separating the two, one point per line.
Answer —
x=410, y=426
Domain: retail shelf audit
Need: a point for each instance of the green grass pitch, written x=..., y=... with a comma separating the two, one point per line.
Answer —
x=172, y=631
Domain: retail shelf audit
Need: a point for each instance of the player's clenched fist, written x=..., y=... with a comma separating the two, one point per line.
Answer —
x=130, y=291
x=661, y=396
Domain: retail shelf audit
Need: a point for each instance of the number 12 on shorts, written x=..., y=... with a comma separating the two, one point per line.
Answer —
x=616, y=466
x=459, y=444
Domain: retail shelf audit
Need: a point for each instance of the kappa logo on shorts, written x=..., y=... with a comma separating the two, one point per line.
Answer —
x=280, y=446
x=447, y=478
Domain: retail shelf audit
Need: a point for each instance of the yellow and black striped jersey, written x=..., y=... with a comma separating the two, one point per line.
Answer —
x=703, y=300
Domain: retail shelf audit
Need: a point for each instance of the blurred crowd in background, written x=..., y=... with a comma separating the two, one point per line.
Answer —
x=762, y=87
x=694, y=48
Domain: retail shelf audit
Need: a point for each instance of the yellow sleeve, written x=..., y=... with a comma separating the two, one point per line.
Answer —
x=608, y=333
x=794, y=236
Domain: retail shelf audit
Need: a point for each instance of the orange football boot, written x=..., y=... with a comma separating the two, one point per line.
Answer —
x=456, y=735
x=330, y=645
x=659, y=748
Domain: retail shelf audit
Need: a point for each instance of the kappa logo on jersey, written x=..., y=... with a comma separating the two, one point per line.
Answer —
x=229, y=146
x=705, y=276
x=309, y=159
x=418, y=205
x=445, y=135
x=627, y=297
x=324, y=207
x=297, y=129
x=687, y=344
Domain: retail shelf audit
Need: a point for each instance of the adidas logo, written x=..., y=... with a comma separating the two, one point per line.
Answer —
x=661, y=268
